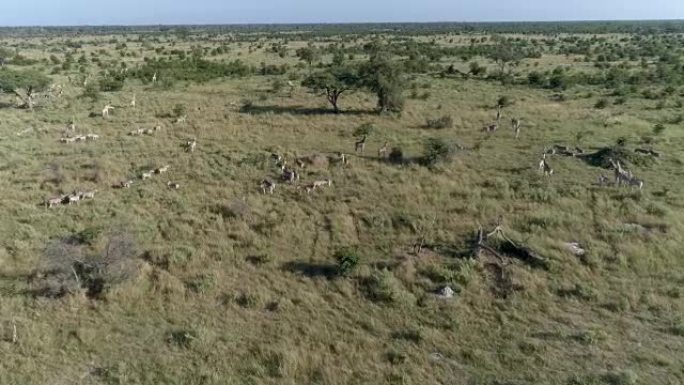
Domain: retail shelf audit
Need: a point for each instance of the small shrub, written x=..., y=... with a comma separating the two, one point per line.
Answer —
x=247, y=300
x=503, y=101
x=535, y=78
x=201, y=283
x=179, y=110
x=112, y=83
x=365, y=129
x=396, y=358
x=411, y=335
x=87, y=236
x=382, y=286
x=625, y=377
x=658, y=129
x=444, y=122
x=677, y=330
x=436, y=150
x=92, y=92
x=69, y=266
x=277, y=85
x=396, y=156
x=182, y=338
x=476, y=69
x=601, y=104
x=347, y=260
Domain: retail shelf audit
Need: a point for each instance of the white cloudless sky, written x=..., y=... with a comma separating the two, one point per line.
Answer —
x=100, y=12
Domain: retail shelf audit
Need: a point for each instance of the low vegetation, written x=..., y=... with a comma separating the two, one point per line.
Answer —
x=490, y=204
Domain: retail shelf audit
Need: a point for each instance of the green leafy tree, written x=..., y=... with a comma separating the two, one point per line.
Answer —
x=332, y=83
x=386, y=79
x=24, y=84
x=4, y=55
x=308, y=55
x=338, y=58
x=504, y=55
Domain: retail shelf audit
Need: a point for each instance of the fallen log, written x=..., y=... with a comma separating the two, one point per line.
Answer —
x=507, y=247
x=647, y=151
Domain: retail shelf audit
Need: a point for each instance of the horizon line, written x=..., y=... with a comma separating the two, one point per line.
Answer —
x=335, y=23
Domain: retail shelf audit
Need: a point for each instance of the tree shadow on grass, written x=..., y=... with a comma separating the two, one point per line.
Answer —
x=299, y=110
x=312, y=270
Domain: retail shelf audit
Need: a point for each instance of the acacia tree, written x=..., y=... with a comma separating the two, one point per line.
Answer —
x=385, y=78
x=308, y=54
x=4, y=55
x=24, y=84
x=332, y=83
x=503, y=55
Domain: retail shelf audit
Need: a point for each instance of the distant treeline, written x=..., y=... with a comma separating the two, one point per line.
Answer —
x=590, y=27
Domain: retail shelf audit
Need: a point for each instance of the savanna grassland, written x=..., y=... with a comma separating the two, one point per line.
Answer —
x=218, y=283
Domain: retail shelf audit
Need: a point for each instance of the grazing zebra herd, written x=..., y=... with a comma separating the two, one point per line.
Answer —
x=77, y=196
x=622, y=176
x=292, y=175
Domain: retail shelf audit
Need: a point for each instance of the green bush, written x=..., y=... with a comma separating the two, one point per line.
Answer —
x=365, y=129
x=503, y=101
x=192, y=70
x=347, y=260
x=601, y=104
x=477, y=70
x=535, y=78
x=444, y=122
x=659, y=129
x=112, y=83
x=436, y=150
x=91, y=91
x=396, y=156
x=179, y=110
x=277, y=85
x=382, y=286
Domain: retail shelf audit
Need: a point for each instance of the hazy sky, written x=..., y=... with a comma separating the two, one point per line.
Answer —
x=96, y=12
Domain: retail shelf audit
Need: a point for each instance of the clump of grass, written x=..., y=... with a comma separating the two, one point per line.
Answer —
x=182, y=338
x=236, y=208
x=624, y=377
x=246, y=299
x=412, y=335
x=201, y=283
x=439, y=123
x=383, y=286
x=677, y=329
